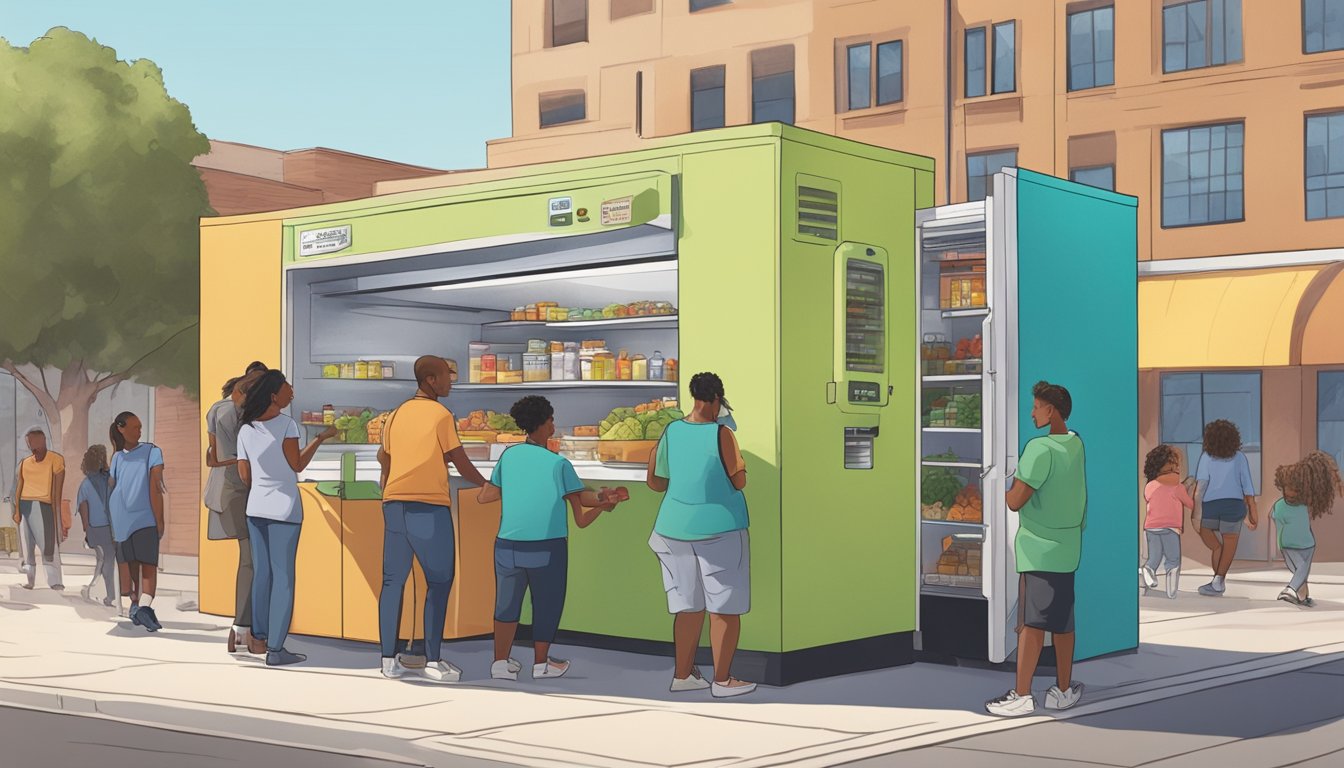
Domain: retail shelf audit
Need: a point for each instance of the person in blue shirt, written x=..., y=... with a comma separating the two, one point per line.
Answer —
x=532, y=549
x=700, y=536
x=1226, y=494
x=1310, y=489
x=136, y=515
x=92, y=502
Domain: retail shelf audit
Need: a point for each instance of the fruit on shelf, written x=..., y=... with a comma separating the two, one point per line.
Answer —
x=967, y=506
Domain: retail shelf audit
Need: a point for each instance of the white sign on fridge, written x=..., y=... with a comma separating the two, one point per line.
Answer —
x=315, y=242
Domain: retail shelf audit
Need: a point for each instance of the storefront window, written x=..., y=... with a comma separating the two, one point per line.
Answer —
x=1330, y=413
x=1191, y=400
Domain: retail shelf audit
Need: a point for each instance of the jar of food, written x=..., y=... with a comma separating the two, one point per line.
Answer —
x=489, y=369
x=624, y=368
x=558, y=365
x=347, y=370
x=608, y=365
x=537, y=367
x=375, y=369
x=639, y=368
x=572, y=370
x=331, y=371
x=328, y=415
x=361, y=369
x=670, y=369
x=389, y=371
x=586, y=365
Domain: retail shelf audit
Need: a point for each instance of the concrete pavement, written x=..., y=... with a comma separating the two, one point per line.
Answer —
x=59, y=653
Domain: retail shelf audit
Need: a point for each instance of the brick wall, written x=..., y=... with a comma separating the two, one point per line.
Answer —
x=177, y=430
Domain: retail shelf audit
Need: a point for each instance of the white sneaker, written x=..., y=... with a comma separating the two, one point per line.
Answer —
x=1149, y=578
x=1289, y=595
x=1173, y=582
x=393, y=669
x=549, y=669
x=733, y=687
x=441, y=672
x=1011, y=705
x=1208, y=590
x=505, y=669
x=695, y=682
x=1057, y=699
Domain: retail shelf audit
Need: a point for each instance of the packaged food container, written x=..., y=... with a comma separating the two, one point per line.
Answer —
x=537, y=346
x=331, y=371
x=670, y=369
x=347, y=370
x=625, y=451
x=624, y=370
x=639, y=368
x=476, y=451
x=577, y=448
x=656, y=364
x=489, y=369
x=531, y=312
x=594, y=344
x=510, y=377
x=586, y=365
x=558, y=365
x=328, y=414
x=557, y=314
x=389, y=371
x=375, y=369
x=537, y=367
x=361, y=369
x=519, y=314
x=509, y=362
x=575, y=315
x=572, y=365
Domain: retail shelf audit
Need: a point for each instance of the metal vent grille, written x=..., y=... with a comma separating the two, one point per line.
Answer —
x=818, y=212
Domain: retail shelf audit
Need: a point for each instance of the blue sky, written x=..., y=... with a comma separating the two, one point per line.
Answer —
x=419, y=82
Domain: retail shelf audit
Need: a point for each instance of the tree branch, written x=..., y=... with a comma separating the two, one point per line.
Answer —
x=113, y=379
x=42, y=369
x=44, y=397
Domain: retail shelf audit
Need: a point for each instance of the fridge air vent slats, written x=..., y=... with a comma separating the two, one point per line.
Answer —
x=818, y=209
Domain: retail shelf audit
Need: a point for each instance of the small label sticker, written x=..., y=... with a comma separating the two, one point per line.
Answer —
x=618, y=211
x=316, y=242
x=560, y=209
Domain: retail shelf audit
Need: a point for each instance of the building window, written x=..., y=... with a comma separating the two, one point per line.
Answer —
x=1202, y=175
x=621, y=9
x=975, y=62
x=1092, y=48
x=569, y=22
x=1200, y=33
x=980, y=170
x=700, y=5
x=1322, y=25
x=772, y=85
x=859, y=63
x=1325, y=166
x=707, y=109
x=560, y=107
x=1005, y=57
x=1102, y=176
x=860, y=74
x=1191, y=400
x=1330, y=414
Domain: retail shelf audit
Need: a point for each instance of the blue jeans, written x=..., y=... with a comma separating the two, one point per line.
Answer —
x=275, y=548
x=542, y=566
x=412, y=529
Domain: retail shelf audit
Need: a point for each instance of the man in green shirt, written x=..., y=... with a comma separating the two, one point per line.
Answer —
x=1049, y=493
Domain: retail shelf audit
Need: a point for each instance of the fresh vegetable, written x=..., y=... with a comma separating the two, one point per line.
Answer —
x=940, y=486
x=502, y=422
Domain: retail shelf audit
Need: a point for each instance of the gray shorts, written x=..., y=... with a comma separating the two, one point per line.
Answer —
x=233, y=516
x=709, y=574
x=1223, y=516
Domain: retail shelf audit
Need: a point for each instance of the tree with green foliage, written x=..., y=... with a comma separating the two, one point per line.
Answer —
x=99, y=209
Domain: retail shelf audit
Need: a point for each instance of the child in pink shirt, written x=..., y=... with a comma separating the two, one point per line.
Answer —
x=1167, y=498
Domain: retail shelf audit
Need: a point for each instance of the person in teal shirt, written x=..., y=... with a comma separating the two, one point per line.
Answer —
x=1049, y=493
x=532, y=549
x=700, y=537
x=1310, y=488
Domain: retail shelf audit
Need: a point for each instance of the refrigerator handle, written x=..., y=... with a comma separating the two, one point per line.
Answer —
x=987, y=344
x=988, y=406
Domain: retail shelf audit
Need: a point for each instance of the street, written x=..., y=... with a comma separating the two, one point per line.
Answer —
x=1292, y=719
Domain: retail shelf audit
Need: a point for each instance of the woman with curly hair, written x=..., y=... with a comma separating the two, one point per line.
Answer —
x=1227, y=497
x=95, y=493
x=1167, y=499
x=1309, y=490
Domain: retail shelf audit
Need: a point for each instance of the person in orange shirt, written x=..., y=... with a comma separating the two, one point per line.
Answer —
x=41, y=485
x=419, y=441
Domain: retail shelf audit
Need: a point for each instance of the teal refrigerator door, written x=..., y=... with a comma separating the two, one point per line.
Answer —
x=1077, y=325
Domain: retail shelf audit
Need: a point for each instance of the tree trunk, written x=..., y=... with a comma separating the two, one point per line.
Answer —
x=67, y=411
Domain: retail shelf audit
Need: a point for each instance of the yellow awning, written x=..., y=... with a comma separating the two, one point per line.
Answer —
x=1231, y=319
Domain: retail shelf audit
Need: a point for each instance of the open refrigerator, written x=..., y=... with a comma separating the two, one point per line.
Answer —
x=995, y=277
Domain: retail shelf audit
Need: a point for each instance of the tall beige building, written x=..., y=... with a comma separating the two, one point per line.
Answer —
x=1224, y=117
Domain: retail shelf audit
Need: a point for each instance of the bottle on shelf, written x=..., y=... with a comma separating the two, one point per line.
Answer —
x=656, y=366
x=328, y=414
x=624, y=368
x=573, y=369
x=670, y=369
x=639, y=368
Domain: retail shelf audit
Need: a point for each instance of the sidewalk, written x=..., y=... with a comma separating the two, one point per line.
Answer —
x=614, y=708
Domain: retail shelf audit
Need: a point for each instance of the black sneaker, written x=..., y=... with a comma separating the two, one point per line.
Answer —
x=149, y=619
x=282, y=658
x=135, y=616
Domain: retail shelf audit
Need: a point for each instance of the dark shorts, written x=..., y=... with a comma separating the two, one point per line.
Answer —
x=1223, y=515
x=1045, y=602
x=141, y=547
x=541, y=567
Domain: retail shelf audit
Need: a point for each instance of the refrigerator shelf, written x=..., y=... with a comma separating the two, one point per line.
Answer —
x=965, y=593
x=954, y=430
x=953, y=464
x=953, y=377
x=953, y=523
x=573, y=385
x=976, y=312
x=642, y=321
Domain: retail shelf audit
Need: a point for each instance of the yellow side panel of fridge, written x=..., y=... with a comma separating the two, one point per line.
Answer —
x=240, y=322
